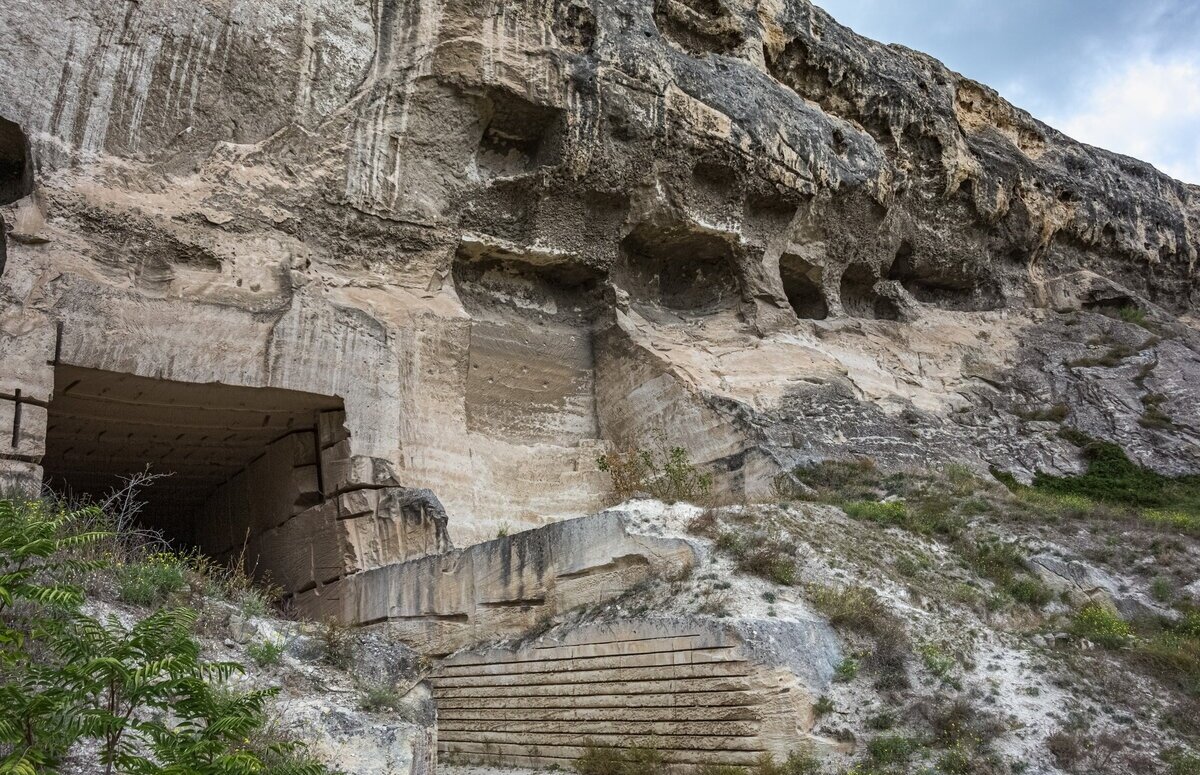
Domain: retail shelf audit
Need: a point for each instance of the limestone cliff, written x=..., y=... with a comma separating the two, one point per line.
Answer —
x=506, y=234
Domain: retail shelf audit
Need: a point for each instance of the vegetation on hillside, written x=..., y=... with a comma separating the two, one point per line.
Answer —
x=138, y=694
x=658, y=469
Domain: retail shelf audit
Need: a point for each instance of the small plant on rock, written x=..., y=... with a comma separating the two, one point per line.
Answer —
x=664, y=471
x=265, y=653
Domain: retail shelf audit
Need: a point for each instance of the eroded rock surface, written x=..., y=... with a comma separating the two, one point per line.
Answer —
x=506, y=234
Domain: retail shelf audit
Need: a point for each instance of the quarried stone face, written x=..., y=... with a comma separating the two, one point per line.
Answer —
x=500, y=238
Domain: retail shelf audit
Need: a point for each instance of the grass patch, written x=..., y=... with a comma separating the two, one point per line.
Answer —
x=1111, y=358
x=1172, y=657
x=1101, y=625
x=380, y=698
x=1112, y=477
x=265, y=653
x=1133, y=315
x=1154, y=416
x=601, y=759
x=1053, y=413
x=152, y=581
x=800, y=762
x=770, y=556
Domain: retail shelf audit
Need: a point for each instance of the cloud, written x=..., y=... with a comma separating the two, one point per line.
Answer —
x=1145, y=108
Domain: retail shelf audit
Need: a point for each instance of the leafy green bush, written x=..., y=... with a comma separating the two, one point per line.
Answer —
x=664, y=472
x=1101, y=625
x=1111, y=477
x=152, y=581
x=891, y=749
x=266, y=652
x=141, y=694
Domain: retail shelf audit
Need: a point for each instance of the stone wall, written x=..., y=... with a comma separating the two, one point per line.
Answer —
x=441, y=603
x=684, y=687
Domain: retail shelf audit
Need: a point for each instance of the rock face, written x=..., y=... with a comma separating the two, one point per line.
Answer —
x=441, y=603
x=687, y=684
x=503, y=235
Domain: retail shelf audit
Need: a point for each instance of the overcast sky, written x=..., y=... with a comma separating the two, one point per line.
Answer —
x=1120, y=74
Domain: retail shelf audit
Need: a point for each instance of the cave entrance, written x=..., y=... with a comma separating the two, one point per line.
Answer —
x=16, y=174
x=16, y=163
x=241, y=460
x=680, y=267
x=802, y=285
x=859, y=297
x=946, y=287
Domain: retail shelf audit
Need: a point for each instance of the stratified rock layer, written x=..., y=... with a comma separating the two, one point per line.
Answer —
x=503, y=235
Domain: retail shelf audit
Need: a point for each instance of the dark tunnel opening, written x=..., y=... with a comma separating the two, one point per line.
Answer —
x=241, y=461
x=16, y=174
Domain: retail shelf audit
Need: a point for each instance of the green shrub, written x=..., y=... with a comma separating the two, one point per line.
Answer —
x=995, y=560
x=378, y=698
x=856, y=607
x=893, y=513
x=881, y=722
x=823, y=706
x=958, y=760
x=1111, y=357
x=1030, y=591
x=1180, y=762
x=265, y=653
x=1173, y=658
x=769, y=556
x=839, y=474
x=1183, y=522
x=931, y=514
x=799, y=762
x=151, y=581
x=1134, y=315
x=1162, y=590
x=891, y=749
x=1101, y=625
x=664, y=472
x=139, y=695
x=937, y=661
x=1111, y=477
x=1189, y=624
x=846, y=670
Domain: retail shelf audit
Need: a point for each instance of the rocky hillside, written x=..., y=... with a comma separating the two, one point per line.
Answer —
x=375, y=280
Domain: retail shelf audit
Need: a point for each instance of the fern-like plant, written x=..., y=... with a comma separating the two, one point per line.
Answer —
x=142, y=692
x=37, y=590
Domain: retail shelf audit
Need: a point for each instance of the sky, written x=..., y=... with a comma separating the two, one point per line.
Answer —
x=1120, y=74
